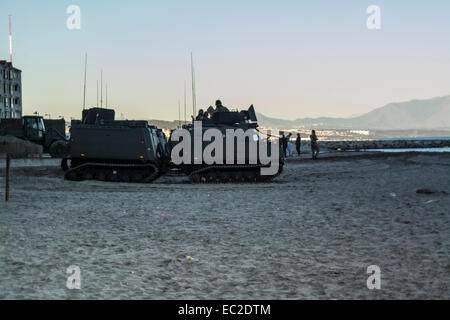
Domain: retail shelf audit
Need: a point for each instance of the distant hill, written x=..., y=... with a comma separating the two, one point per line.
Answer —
x=416, y=114
x=164, y=124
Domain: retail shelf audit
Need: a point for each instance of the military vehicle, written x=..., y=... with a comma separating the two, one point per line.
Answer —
x=34, y=129
x=248, y=171
x=101, y=148
x=55, y=137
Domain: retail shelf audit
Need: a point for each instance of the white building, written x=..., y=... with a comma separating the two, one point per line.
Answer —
x=10, y=91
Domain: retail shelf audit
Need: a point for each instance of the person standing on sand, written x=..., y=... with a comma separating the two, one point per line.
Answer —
x=298, y=144
x=314, y=145
x=288, y=145
x=283, y=143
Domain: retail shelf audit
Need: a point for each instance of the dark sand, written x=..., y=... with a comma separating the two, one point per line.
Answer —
x=310, y=234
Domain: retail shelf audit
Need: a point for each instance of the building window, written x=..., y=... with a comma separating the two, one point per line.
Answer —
x=16, y=101
x=16, y=87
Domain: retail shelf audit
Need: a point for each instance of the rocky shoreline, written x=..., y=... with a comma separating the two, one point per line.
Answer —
x=378, y=144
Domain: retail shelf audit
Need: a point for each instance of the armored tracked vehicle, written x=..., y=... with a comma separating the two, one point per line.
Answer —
x=101, y=148
x=246, y=162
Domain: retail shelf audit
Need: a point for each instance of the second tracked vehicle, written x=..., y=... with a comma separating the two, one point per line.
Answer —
x=101, y=148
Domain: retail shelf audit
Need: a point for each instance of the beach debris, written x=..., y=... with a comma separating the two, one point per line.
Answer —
x=393, y=195
x=425, y=191
x=189, y=258
x=430, y=191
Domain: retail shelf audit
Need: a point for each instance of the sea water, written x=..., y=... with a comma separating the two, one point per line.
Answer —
x=412, y=150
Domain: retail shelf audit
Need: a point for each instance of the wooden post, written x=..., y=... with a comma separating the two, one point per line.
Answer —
x=8, y=163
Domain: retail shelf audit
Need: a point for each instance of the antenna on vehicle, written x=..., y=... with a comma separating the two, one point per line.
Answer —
x=185, y=102
x=97, y=94
x=10, y=41
x=84, y=92
x=179, y=113
x=101, y=88
x=194, y=98
x=106, y=94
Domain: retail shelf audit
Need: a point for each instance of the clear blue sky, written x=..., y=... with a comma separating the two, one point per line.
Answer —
x=290, y=59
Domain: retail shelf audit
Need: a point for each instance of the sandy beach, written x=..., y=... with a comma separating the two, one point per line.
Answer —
x=309, y=234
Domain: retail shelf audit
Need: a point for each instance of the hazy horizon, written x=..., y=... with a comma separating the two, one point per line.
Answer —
x=291, y=59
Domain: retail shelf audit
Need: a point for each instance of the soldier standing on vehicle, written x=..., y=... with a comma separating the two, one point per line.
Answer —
x=298, y=144
x=220, y=107
x=314, y=145
x=211, y=111
x=200, y=115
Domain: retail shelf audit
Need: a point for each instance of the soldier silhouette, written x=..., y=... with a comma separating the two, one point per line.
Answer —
x=220, y=107
x=314, y=145
x=298, y=144
x=200, y=116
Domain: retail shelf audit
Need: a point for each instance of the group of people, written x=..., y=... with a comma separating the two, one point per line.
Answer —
x=204, y=115
x=285, y=141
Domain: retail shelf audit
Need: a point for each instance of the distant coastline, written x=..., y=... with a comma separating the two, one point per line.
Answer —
x=428, y=114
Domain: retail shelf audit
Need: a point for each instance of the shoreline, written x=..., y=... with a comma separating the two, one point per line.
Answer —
x=361, y=145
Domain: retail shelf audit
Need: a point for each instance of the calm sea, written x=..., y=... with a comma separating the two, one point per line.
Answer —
x=413, y=150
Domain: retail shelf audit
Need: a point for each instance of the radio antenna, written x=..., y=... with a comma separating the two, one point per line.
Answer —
x=179, y=113
x=97, y=93
x=185, y=102
x=101, y=88
x=84, y=92
x=194, y=98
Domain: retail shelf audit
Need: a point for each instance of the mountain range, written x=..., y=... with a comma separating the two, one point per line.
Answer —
x=431, y=114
